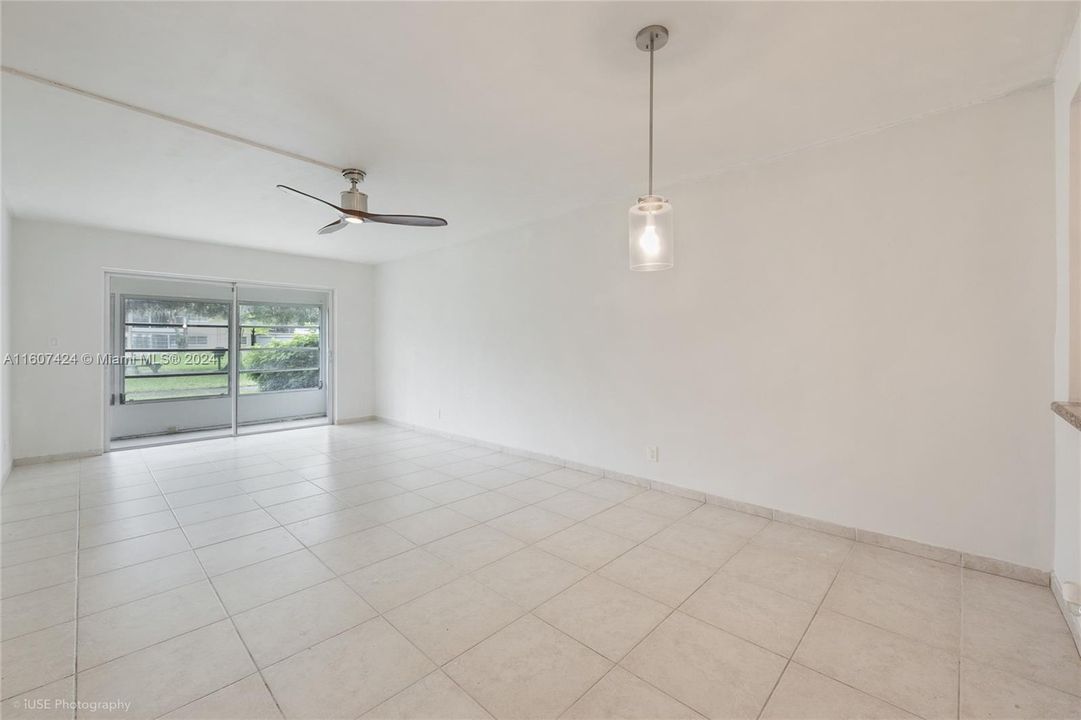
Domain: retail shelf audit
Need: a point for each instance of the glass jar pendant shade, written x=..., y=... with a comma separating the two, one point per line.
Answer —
x=650, y=221
x=651, y=246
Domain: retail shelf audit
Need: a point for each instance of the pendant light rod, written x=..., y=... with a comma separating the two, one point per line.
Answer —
x=651, y=39
x=651, y=51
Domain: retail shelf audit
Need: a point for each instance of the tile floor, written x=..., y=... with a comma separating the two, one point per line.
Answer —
x=366, y=571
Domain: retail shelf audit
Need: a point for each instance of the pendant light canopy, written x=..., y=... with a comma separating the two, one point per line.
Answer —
x=652, y=237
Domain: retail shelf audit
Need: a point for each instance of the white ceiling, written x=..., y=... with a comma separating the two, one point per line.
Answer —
x=489, y=114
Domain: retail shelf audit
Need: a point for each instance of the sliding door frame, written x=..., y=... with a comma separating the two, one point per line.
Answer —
x=112, y=324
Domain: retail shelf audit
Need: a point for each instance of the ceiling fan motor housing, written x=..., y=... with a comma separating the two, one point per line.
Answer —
x=354, y=200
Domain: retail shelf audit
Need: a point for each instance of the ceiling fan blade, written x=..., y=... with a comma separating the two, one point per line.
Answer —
x=333, y=227
x=310, y=197
x=414, y=220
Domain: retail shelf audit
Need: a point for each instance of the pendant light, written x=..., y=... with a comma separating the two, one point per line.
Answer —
x=652, y=240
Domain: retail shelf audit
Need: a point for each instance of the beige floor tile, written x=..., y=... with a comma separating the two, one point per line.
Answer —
x=702, y=545
x=348, y=674
x=433, y=697
x=529, y=577
x=716, y=673
x=786, y=573
x=89, y=499
x=424, y=527
x=486, y=505
x=38, y=609
x=474, y=548
x=352, y=552
x=531, y=490
x=363, y=493
x=628, y=522
x=804, y=543
x=1017, y=627
x=760, y=615
x=919, y=614
x=500, y=459
x=662, y=576
x=662, y=503
x=247, y=699
x=621, y=695
x=586, y=546
x=127, y=528
x=305, y=508
x=214, y=509
x=259, y=483
x=285, y=493
x=280, y=628
x=168, y=675
x=803, y=694
x=109, y=634
x=397, y=506
x=531, y=468
x=116, y=587
x=11, y=512
x=904, y=672
x=464, y=467
x=22, y=551
x=37, y=574
x=333, y=525
x=420, y=479
x=527, y=670
x=399, y=579
x=903, y=569
x=569, y=478
x=131, y=552
x=262, y=582
x=55, y=701
x=451, y=619
x=576, y=505
x=990, y=693
x=229, y=527
x=531, y=523
x=611, y=489
x=32, y=660
x=203, y=495
x=241, y=551
x=121, y=510
x=495, y=478
x=450, y=491
x=36, y=527
x=604, y=616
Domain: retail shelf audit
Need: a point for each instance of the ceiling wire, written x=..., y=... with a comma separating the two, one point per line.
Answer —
x=168, y=118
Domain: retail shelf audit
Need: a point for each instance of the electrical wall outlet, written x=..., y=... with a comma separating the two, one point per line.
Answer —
x=653, y=453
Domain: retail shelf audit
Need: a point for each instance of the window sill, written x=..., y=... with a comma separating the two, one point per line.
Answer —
x=1068, y=411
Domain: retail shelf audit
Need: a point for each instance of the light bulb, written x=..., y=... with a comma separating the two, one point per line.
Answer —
x=649, y=241
x=352, y=219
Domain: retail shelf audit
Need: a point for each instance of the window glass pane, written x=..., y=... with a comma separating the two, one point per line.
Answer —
x=175, y=312
x=149, y=364
x=254, y=382
x=279, y=347
x=156, y=337
x=164, y=388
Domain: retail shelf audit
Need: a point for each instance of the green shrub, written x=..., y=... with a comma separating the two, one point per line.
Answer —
x=281, y=355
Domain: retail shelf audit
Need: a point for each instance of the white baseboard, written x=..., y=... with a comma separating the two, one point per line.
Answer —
x=992, y=566
x=1073, y=621
x=350, y=420
x=38, y=459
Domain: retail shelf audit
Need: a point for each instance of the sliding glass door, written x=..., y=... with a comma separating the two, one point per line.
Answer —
x=283, y=358
x=172, y=340
x=206, y=358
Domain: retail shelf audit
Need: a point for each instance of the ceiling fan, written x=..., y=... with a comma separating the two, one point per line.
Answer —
x=354, y=208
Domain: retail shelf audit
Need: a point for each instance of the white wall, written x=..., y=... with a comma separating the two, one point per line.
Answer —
x=5, y=340
x=860, y=332
x=1067, y=563
x=59, y=291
